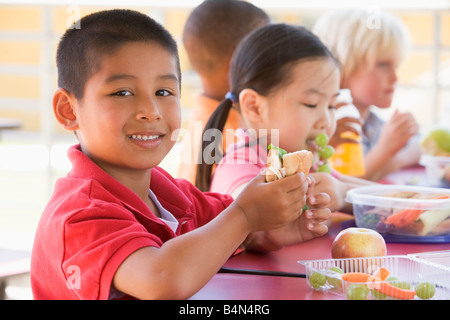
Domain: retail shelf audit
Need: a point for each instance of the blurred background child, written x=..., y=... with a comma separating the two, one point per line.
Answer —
x=211, y=34
x=370, y=47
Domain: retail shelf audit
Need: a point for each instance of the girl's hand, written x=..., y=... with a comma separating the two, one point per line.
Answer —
x=326, y=183
x=272, y=205
x=311, y=224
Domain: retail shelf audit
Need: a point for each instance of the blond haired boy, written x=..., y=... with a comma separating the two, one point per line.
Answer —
x=370, y=45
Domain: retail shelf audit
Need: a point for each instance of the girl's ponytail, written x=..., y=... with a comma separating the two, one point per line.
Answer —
x=216, y=121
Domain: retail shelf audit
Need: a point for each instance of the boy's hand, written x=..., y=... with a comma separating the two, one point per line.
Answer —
x=347, y=124
x=272, y=205
x=397, y=131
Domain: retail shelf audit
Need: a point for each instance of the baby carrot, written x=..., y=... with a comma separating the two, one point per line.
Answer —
x=381, y=274
x=360, y=277
x=377, y=282
x=408, y=216
x=404, y=217
x=392, y=291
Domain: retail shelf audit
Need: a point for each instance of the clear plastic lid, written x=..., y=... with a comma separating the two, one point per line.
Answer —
x=385, y=196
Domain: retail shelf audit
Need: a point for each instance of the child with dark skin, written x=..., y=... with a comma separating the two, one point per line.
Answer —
x=211, y=34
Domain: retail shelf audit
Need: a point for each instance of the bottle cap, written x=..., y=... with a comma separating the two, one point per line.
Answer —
x=348, y=110
x=345, y=97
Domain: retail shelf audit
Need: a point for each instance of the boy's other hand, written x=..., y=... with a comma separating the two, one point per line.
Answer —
x=398, y=130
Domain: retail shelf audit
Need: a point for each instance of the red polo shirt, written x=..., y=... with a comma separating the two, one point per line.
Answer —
x=92, y=223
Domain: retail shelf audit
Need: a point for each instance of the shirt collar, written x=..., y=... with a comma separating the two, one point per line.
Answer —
x=162, y=184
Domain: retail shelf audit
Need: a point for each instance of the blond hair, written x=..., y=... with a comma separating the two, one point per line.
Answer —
x=358, y=37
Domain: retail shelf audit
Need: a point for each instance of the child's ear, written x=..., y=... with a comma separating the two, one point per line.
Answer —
x=63, y=108
x=251, y=104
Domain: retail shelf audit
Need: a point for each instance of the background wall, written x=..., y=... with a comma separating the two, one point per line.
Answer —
x=32, y=157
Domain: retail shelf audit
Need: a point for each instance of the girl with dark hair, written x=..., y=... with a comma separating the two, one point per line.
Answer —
x=284, y=82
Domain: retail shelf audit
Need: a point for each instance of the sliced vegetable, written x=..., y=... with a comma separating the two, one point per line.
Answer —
x=392, y=291
x=404, y=217
x=430, y=219
x=382, y=274
x=408, y=216
x=281, y=152
x=357, y=277
x=376, y=282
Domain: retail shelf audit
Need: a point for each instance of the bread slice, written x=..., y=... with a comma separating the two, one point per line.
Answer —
x=292, y=163
x=299, y=161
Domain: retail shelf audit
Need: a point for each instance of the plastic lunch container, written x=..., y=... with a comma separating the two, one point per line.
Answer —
x=437, y=169
x=408, y=272
x=402, y=210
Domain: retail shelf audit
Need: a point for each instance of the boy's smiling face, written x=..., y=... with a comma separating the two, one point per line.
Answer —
x=130, y=108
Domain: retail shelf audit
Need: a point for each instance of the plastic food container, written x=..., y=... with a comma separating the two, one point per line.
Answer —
x=408, y=273
x=402, y=210
x=438, y=170
x=441, y=258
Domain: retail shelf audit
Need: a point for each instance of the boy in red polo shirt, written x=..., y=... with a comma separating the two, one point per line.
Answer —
x=118, y=226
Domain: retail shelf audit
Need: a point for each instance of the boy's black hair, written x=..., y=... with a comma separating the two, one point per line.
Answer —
x=214, y=29
x=101, y=33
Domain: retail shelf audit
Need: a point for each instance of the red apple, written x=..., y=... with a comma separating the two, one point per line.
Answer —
x=357, y=243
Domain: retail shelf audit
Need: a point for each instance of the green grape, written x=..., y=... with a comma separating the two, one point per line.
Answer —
x=357, y=292
x=377, y=294
x=317, y=280
x=425, y=290
x=327, y=152
x=391, y=278
x=336, y=269
x=402, y=285
x=324, y=168
x=335, y=282
x=321, y=139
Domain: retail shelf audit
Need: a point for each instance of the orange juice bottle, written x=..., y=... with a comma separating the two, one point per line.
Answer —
x=348, y=157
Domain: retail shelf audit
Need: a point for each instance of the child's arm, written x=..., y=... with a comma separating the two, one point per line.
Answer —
x=395, y=134
x=183, y=265
x=337, y=189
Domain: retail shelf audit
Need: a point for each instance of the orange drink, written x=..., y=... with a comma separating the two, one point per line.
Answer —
x=348, y=157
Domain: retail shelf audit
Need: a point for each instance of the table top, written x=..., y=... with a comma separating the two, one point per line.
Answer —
x=227, y=286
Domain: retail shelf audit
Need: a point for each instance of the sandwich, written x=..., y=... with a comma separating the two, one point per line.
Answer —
x=281, y=164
